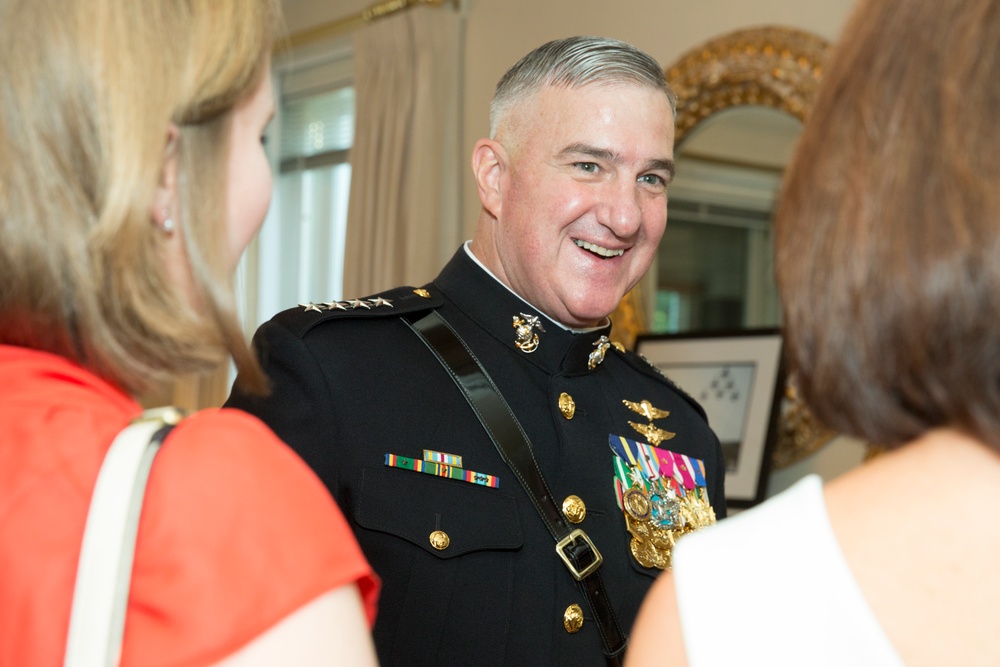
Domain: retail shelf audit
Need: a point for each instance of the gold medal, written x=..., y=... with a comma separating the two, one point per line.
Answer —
x=636, y=503
x=650, y=518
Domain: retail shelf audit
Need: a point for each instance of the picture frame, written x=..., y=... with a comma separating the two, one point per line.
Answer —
x=738, y=378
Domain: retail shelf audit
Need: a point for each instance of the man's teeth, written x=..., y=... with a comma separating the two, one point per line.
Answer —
x=598, y=250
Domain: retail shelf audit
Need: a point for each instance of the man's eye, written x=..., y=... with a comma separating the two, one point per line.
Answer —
x=588, y=167
x=652, y=179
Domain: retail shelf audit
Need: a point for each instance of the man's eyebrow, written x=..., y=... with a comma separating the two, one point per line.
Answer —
x=665, y=165
x=592, y=151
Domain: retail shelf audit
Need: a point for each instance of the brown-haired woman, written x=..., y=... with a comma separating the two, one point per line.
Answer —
x=131, y=179
x=888, y=262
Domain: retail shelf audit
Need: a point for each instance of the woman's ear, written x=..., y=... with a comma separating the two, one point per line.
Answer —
x=162, y=210
x=489, y=161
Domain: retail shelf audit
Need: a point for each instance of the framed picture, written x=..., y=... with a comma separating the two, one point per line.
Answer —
x=738, y=379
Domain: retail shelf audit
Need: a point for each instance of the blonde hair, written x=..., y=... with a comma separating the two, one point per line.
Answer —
x=89, y=90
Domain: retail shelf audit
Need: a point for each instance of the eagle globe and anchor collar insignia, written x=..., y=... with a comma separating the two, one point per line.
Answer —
x=525, y=337
x=601, y=346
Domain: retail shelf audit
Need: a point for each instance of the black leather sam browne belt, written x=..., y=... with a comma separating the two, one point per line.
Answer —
x=573, y=546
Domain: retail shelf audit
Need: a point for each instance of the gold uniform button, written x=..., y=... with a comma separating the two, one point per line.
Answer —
x=573, y=618
x=422, y=292
x=574, y=509
x=566, y=405
x=440, y=540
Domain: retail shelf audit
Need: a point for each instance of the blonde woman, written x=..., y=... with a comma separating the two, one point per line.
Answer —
x=132, y=177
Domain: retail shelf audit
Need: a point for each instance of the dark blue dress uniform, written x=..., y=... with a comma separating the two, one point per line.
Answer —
x=470, y=574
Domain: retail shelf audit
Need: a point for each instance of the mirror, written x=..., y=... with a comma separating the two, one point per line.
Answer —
x=713, y=270
x=741, y=99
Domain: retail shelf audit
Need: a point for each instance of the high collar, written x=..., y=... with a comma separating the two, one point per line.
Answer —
x=493, y=307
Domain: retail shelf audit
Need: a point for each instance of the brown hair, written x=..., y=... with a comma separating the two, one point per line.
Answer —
x=888, y=229
x=89, y=89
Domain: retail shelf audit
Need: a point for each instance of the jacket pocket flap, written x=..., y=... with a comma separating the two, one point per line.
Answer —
x=413, y=505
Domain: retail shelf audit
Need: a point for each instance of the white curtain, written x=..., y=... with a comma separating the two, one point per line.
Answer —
x=403, y=217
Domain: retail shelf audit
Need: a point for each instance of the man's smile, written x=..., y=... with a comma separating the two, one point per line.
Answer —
x=599, y=250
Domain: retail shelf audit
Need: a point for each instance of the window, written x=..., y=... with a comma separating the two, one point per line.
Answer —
x=715, y=261
x=715, y=264
x=299, y=254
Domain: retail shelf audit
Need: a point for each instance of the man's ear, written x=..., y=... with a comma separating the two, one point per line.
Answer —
x=489, y=160
x=165, y=196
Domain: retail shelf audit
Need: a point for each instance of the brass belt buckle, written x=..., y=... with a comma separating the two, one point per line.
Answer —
x=571, y=539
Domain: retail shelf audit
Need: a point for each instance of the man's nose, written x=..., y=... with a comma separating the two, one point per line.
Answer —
x=622, y=211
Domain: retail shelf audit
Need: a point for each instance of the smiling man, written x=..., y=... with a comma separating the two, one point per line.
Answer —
x=574, y=192
x=515, y=478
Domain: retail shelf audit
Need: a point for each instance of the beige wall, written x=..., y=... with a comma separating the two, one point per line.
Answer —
x=301, y=15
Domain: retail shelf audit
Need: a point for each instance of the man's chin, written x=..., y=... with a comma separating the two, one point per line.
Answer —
x=592, y=314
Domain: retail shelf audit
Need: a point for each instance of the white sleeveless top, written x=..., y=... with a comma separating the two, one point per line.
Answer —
x=770, y=586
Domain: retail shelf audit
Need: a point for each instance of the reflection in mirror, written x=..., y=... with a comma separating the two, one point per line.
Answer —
x=714, y=267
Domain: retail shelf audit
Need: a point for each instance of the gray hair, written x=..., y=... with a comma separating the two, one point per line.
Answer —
x=574, y=62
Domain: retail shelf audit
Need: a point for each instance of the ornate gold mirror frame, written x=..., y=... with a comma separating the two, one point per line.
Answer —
x=768, y=66
x=772, y=67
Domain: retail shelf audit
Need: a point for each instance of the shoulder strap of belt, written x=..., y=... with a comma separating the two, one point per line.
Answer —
x=573, y=546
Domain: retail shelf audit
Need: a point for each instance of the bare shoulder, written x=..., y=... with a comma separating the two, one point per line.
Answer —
x=330, y=630
x=918, y=530
x=656, y=636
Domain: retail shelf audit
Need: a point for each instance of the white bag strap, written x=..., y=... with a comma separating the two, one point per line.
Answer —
x=97, y=619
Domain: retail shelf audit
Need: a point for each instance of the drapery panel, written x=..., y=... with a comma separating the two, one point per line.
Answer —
x=403, y=216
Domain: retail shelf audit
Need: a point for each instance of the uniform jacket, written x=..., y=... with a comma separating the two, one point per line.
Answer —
x=352, y=383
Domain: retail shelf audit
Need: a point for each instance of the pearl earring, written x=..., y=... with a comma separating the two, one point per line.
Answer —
x=168, y=223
